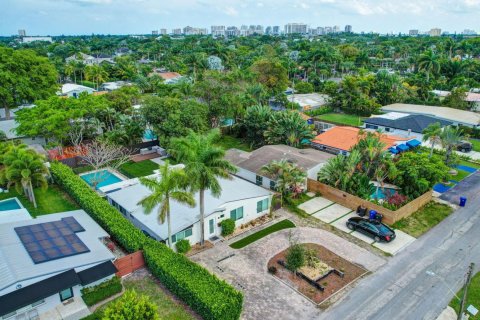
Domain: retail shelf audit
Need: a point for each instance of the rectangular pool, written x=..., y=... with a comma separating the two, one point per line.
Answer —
x=10, y=204
x=100, y=178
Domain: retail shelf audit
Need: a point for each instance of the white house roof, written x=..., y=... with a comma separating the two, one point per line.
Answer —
x=16, y=265
x=69, y=87
x=449, y=114
x=14, y=215
x=390, y=115
x=313, y=100
x=9, y=126
x=235, y=189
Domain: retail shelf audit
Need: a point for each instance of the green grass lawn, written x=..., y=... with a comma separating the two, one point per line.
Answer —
x=341, y=118
x=229, y=142
x=473, y=297
x=52, y=200
x=424, y=219
x=460, y=175
x=476, y=144
x=285, y=224
x=168, y=309
x=138, y=169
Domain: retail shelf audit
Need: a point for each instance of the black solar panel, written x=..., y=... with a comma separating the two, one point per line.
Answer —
x=52, y=240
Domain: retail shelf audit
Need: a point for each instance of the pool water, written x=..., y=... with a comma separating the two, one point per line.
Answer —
x=9, y=204
x=381, y=194
x=103, y=177
x=149, y=135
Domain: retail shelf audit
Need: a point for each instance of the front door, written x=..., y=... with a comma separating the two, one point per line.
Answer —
x=211, y=226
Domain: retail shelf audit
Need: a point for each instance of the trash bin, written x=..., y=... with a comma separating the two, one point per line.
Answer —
x=361, y=211
x=373, y=214
x=463, y=201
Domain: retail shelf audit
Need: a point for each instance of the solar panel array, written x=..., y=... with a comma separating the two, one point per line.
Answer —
x=52, y=240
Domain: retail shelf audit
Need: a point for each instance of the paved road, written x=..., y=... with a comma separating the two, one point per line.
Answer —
x=401, y=289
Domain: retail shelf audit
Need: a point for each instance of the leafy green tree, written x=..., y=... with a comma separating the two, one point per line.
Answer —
x=170, y=185
x=96, y=73
x=271, y=74
x=450, y=137
x=456, y=99
x=24, y=169
x=288, y=177
x=432, y=134
x=295, y=257
x=3, y=136
x=24, y=77
x=255, y=123
x=131, y=306
x=288, y=127
x=204, y=165
x=304, y=87
x=429, y=63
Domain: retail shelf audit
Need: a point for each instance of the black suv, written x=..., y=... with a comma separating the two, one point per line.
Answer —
x=372, y=228
x=464, y=146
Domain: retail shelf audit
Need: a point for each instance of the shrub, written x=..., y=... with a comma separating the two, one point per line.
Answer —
x=132, y=307
x=183, y=246
x=210, y=297
x=295, y=257
x=228, y=226
x=95, y=294
x=272, y=269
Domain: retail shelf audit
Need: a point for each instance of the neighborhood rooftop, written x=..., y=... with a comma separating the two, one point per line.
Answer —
x=413, y=122
x=255, y=160
x=444, y=113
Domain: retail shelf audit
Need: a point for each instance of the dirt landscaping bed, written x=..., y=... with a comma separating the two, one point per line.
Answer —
x=332, y=283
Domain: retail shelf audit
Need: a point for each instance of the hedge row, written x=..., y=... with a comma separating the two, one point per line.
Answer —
x=210, y=297
x=95, y=294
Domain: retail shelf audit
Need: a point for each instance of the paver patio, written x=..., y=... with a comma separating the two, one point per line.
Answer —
x=332, y=213
x=315, y=204
x=401, y=241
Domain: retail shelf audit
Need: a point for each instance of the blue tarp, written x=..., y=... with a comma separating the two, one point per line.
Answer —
x=402, y=147
x=413, y=143
x=393, y=150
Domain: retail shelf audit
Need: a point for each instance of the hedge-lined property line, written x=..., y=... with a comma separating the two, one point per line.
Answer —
x=108, y=288
x=210, y=297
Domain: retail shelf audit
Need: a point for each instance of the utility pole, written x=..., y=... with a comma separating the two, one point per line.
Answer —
x=464, y=297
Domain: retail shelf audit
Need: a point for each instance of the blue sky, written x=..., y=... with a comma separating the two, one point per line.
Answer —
x=54, y=17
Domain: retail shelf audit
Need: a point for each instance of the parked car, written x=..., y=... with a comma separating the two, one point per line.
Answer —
x=464, y=146
x=372, y=228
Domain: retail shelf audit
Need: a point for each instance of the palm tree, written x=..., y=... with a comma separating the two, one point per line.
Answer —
x=450, y=136
x=24, y=168
x=71, y=69
x=432, y=134
x=96, y=73
x=429, y=63
x=204, y=164
x=385, y=168
x=170, y=185
x=288, y=177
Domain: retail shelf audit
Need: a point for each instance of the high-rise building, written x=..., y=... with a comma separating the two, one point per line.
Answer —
x=320, y=31
x=232, y=31
x=218, y=31
x=292, y=28
x=336, y=29
x=413, y=32
x=259, y=30
x=22, y=33
x=155, y=33
x=348, y=28
x=435, y=32
x=244, y=30
x=268, y=30
x=328, y=30
x=276, y=30
x=163, y=31
x=469, y=32
x=177, y=31
x=190, y=31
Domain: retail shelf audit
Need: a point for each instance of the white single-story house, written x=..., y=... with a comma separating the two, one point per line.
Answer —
x=74, y=90
x=402, y=124
x=240, y=200
x=457, y=117
x=250, y=164
x=10, y=126
x=110, y=86
x=90, y=59
x=45, y=262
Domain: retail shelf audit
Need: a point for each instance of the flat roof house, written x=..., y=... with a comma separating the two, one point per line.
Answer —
x=74, y=90
x=45, y=262
x=309, y=101
x=457, y=117
x=239, y=200
x=250, y=164
x=340, y=140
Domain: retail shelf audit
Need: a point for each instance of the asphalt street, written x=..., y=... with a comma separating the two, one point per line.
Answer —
x=401, y=289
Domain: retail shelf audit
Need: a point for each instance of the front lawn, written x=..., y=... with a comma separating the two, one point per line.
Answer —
x=52, y=200
x=284, y=224
x=229, y=142
x=138, y=169
x=476, y=144
x=341, y=118
x=168, y=309
x=473, y=297
x=424, y=219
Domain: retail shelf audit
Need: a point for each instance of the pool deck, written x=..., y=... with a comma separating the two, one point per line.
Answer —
x=143, y=157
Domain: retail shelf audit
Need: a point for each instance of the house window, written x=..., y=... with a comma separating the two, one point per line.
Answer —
x=262, y=205
x=236, y=214
x=66, y=294
x=273, y=185
x=371, y=126
x=182, y=235
x=259, y=180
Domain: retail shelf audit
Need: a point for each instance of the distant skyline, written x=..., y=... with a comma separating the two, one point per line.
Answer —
x=71, y=17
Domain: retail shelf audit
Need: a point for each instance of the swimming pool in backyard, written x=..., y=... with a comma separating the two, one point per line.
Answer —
x=10, y=204
x=101, y=178
x=149, y=135
x=382, y=193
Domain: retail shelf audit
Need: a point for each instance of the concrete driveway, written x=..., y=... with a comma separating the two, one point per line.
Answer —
x=265, y=296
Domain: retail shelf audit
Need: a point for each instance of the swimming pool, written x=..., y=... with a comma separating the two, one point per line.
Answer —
x=382, y=193
x=101, y=178
x=10, y=204
x=149, y=135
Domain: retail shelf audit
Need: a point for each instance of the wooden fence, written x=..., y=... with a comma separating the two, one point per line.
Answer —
x=128, y=264
x=352, y=202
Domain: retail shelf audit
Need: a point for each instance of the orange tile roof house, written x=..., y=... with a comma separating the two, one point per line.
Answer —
x=340, y=140
x=167, y=76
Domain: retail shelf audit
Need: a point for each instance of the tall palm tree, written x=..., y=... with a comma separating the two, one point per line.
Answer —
x=450, y=136
x=71, y=69
x=432, y=134
x=171, y=185
x=96, y=74
x=24, y=169
x=429, y=63
x=204, y=164
x=288, y=177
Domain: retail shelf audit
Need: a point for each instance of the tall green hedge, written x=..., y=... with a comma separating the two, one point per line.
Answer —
x=100, y=292
x=210, y=297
